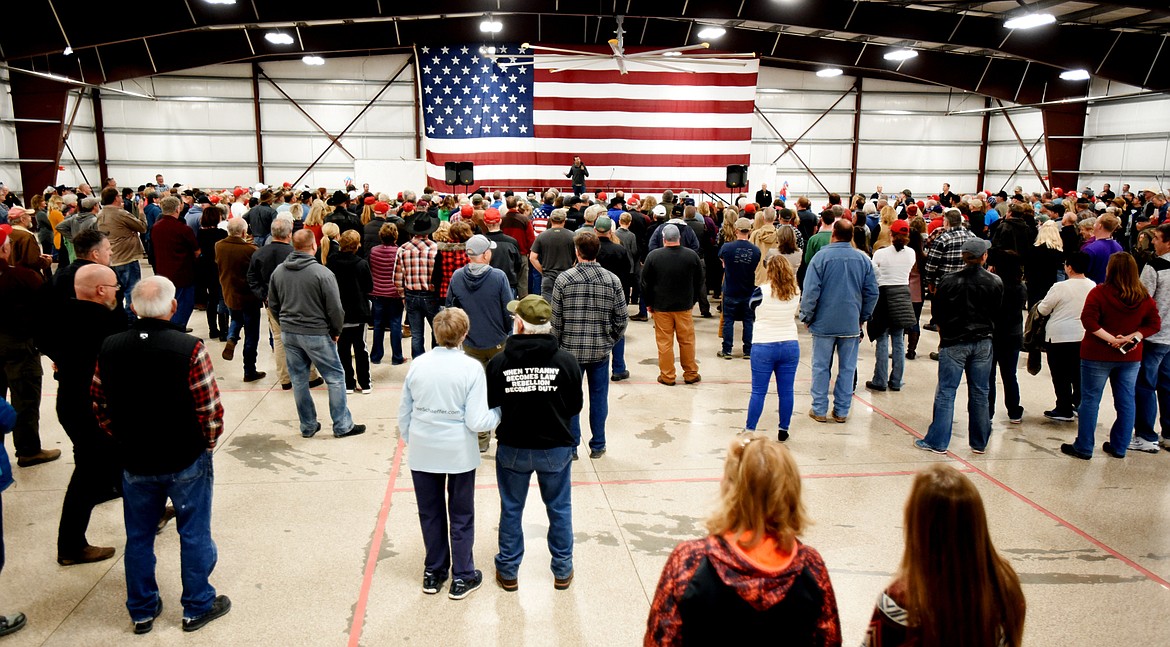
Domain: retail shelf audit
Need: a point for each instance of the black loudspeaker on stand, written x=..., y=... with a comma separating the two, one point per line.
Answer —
x=461, y=173
x=736, y=176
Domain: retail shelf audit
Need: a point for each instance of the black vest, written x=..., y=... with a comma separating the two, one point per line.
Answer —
x=713, y=613
x=144, y=374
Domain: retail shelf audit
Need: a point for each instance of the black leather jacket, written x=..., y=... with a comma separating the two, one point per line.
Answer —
x=966, y=304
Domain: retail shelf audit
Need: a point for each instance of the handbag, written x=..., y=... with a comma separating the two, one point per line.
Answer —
x=1035, y=332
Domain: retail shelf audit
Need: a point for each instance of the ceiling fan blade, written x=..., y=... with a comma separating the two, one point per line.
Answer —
x=558, y=59
x=557, y=49
x=672, y=68
x=658, y=52
x=726, y=55
x=616, y=47
x=578, y=65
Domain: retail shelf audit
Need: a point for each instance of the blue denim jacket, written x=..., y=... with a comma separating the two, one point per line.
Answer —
x=7, y=422
x=840, y=291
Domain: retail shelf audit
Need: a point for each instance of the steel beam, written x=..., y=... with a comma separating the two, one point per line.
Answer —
x=1027, y=152
x=38, y=107
x=983, y=145
x=256, y=112
x=856, y=137
x=306, y=114
x=794, y=153
x=1064, y=130
x=814, y=124
x=99, y=133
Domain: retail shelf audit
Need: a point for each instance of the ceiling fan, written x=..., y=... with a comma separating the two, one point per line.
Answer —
x=655, y=58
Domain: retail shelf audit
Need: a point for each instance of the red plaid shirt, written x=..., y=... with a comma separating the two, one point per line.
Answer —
x=205, y=392
x=414, y=264
x=452, y=256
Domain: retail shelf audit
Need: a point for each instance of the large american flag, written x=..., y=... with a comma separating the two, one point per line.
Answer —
x=650, y=129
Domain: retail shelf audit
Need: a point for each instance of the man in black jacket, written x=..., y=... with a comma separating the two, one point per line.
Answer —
x=672, y=280
x=260, y=217
x=537, y=387
x=506, y=254
x=764, y=196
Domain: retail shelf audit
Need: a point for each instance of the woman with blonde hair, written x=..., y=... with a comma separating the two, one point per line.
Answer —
x=727, y=231
x=316, y=219
x=887, y=218
x=1044, y=261
x=775, y=350
x=331, y=239
x=648, y=204
x=751, y=576
x=953, y=588
x=764, y=237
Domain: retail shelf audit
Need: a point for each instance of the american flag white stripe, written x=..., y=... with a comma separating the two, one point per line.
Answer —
x=652, y=128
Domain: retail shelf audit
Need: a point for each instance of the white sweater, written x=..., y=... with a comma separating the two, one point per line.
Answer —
x=775, y=319
x=1064, y=303
x=892, y=267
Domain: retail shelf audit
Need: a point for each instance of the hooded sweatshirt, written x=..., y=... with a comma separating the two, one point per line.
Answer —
x=765, y=238
x=304, y=298
x=1105, y=309
x=538, y=389
x=482, y=291
x=706, y=582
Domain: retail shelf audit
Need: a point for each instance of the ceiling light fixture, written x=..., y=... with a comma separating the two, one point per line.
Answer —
x=220, y=1
x=313, y=60
x=491, y=26
x=711, y=31
x=1075, y=75
x=278, y=38
x=830, y=72
x=68, y=51
x=900, y=55
x=1029, y=21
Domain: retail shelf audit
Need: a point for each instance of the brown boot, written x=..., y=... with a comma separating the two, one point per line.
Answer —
x=406, y=331
x=912, y=345
x=87, y=555
x=43, y=456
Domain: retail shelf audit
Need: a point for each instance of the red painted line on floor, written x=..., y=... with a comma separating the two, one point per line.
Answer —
x=701, y=479
x=359, y=611
x=1150, y=575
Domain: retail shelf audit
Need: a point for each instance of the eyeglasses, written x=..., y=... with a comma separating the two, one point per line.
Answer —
x=116, y=286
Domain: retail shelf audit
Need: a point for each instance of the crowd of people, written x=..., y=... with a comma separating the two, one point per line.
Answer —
x=526, y=299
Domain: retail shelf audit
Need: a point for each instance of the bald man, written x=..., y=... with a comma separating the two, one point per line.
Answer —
x=86, y=322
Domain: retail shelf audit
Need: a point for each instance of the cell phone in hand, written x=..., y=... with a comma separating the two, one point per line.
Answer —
x=1128, y=346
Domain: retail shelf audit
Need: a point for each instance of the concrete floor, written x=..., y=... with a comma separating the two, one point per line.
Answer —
x=319, y=541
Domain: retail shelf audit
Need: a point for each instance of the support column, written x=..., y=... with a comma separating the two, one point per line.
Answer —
x=1064, y=132
x=856, y=138
x=38, y=107
x=99, y=127
x=256, y=111
x=983, y=144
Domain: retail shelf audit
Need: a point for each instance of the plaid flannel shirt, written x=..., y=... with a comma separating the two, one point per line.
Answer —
x=589, y=311
x=205, y=392
x=451, y=257
x=946, y=254
x=414, y=264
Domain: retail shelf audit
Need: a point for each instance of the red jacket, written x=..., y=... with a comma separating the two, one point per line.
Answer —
x=520, y=228
x=1104, y=309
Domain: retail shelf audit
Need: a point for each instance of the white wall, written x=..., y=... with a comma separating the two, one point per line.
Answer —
x=1126, y=141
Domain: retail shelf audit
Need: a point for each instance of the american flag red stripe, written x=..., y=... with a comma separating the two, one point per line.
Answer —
x=648, y=129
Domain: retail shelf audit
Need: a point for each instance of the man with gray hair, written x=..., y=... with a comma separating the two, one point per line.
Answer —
x=233, y=256
x=161, y=461
x=263, y=263
x=537, y=387
x=304, y=299
x=175, y=251
x=671, y=281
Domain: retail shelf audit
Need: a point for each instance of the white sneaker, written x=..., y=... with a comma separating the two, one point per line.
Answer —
x=1139, y=444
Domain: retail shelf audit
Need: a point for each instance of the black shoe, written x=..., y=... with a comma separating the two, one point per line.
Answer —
x=311, y=433
x=782, y=435
x=145, y=626
x=894, y=388
x=168, y=514
x=931, y=327
x=934, y=356
x=461, y=588
x=596, y=453
x=562, y=583
x=1058, y=415
x=574, y=454
x=287, y=386
x=639, y=318
x=432, y=582
x=12, y=624
x=874, y=387
x=219, y=608
x=355, y=430
x=316, y=383
x=1068, y=449
x=258, y=375
x=705, y=315
x=618, y=377
x=1108, y=449
x=87, y=555
x=911, y=354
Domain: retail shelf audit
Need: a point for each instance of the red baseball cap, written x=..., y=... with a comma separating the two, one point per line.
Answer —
x=899, y=227
x=749, y=207
x=465, y=210
x=491, y=216
x=381, y=207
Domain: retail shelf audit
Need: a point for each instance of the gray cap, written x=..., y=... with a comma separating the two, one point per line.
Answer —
x=975, y=247
x=88, y=204
x=478, y=244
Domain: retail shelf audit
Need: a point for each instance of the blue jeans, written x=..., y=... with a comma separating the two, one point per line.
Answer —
x=823, y=350
x=619, y=356
x=1121, y=377
x=533, y=280
x=736, y=309
x=974, y=360
x=421, y=308
x=882, y=375
x=387, y=314
x=248, y=319
x=185, y=297
x=779, y=359
x=128, y=276
x=1152, y=392
x=144, y=497
x=514, y=468
x=260, y=241
x=598, y=375
x=299, y=351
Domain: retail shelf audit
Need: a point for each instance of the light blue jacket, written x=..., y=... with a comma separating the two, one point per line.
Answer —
x=840, y=291
x=444, y=407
